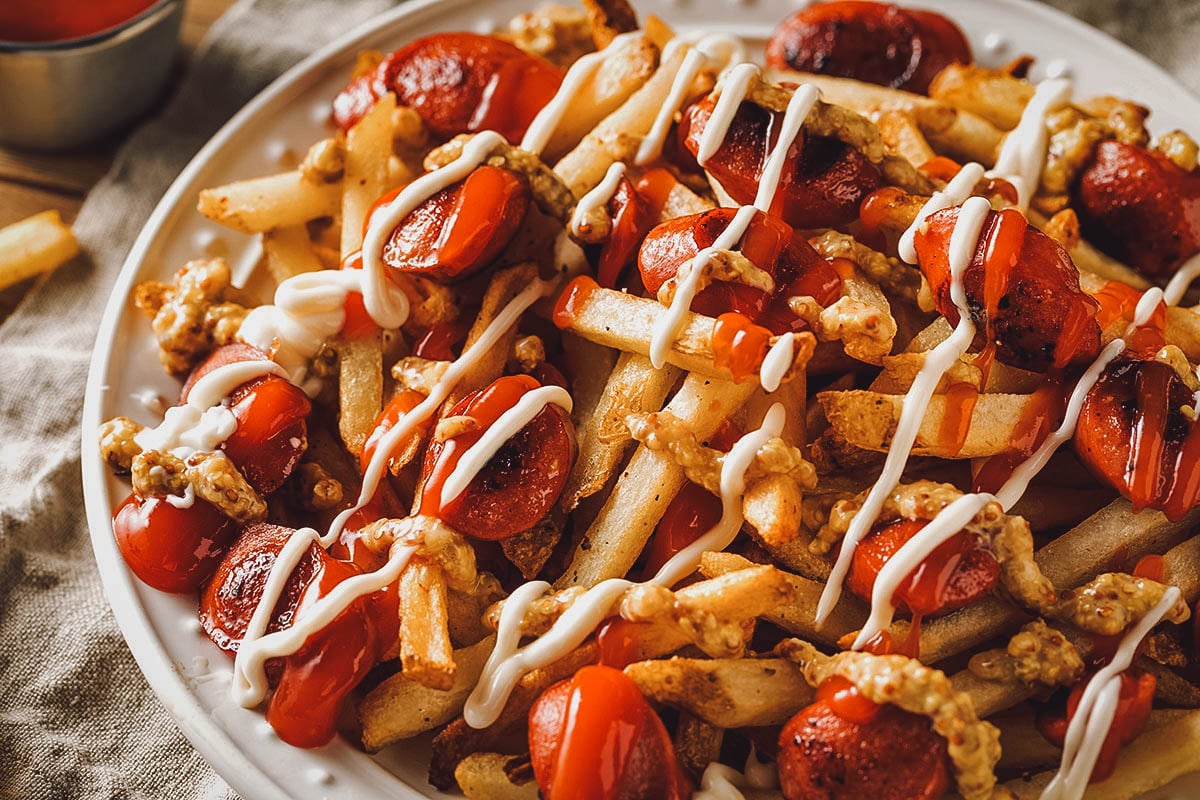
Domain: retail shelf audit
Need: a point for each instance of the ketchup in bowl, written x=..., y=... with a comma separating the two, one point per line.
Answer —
x=61, y=20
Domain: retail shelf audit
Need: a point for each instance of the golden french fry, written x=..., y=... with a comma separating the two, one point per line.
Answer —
x=697, y=744
x=1153, y=759
x=276, y=201
x=617, y=137
x=726, y=692
x=400, y=708
x=633, y=386
x=992, y=94
x=903, y=137
x=868, y=420
x=360, y=388
x=625, y=322
x=289, y=252
x=492, y=776
x=648, y=484
x=425, y=652
x=34, y=245
x=956, y=132
x=368, y=150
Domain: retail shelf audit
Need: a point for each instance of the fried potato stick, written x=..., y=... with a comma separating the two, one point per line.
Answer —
x=648, y=484
x=400, y=708
x=34, y=245
x=425, y=652
x=275, y=201
x=726, y=692
x=493, y=776
x=368, y=148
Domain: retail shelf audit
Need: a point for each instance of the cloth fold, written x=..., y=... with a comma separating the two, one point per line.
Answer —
x=77, y=719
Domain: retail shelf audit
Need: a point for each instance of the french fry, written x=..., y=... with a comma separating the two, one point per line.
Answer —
x=617, y=137
x=648, y=484
x=625, y=68
x=289, y=252
x=276, y=201
x=868, y=420
x=400, y=708
x=625, y=322
x=633, y=386
x=726, y=692
x=956, y=132
x=34, y=245
x=992, y=94
x=903, y=136
x=360, y=388
x=368, y=148
x=492, y=776
x=697, y=744
x=1153, y=759
x=425, y=652
x=504, y=286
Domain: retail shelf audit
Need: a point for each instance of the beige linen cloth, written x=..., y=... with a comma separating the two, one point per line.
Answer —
x=77, y=719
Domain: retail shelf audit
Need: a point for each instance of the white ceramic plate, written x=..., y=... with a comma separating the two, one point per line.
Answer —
x=189, y=675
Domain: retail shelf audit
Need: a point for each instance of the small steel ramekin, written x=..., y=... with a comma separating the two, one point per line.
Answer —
x=57, y=95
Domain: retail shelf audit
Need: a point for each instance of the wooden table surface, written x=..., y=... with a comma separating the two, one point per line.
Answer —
x=33, y=182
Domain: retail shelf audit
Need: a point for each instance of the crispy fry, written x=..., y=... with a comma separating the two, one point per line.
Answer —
x=868, y=420
x=492, y=776
x=368, y=147
x=1153, y=759
x=726, y=693
x=650, y=481
x=34, y=245
x=621, y=320
x=289, y=252
x=276, y=201
x=360, y=388
x=425, y=652
x=697, y=743
x=993, y=94
x=400, y=708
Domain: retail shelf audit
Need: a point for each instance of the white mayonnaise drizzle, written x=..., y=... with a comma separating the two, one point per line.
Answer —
x=711, y=51
x=1024, y=150
x=203, y=423
x=730, y=92
x=1181, y=280
x=597, y=197
x=777, y=362
x=1097, y=708
x=666, y=327
x=509, y=662
x=250, y=681
x=538, y=134
x=508, y=425
x=963, y=240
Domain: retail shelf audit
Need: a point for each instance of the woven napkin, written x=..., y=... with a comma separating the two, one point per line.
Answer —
x=77, y=719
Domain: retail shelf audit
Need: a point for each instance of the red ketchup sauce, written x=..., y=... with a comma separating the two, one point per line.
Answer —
x=60, y=20
x=739, y=345
x=635, y=208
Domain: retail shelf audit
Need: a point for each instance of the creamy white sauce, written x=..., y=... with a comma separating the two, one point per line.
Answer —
x=186, y=500
x=963, y=240
x=150, y=400
x=1181, y=280
x=1024, y=150
x=731, y=93
x=538, y=134
x=1097, y=708
x=508, y=661
x=203, y=423
x=509, y=424
x=596, y=198
x=777, y=362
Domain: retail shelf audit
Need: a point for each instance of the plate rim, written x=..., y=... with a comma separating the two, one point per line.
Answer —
x=117, y=582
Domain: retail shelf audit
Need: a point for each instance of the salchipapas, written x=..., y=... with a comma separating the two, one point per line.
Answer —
x=642, y=421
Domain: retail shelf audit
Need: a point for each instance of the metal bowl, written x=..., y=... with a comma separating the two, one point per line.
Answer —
x=57, y=95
